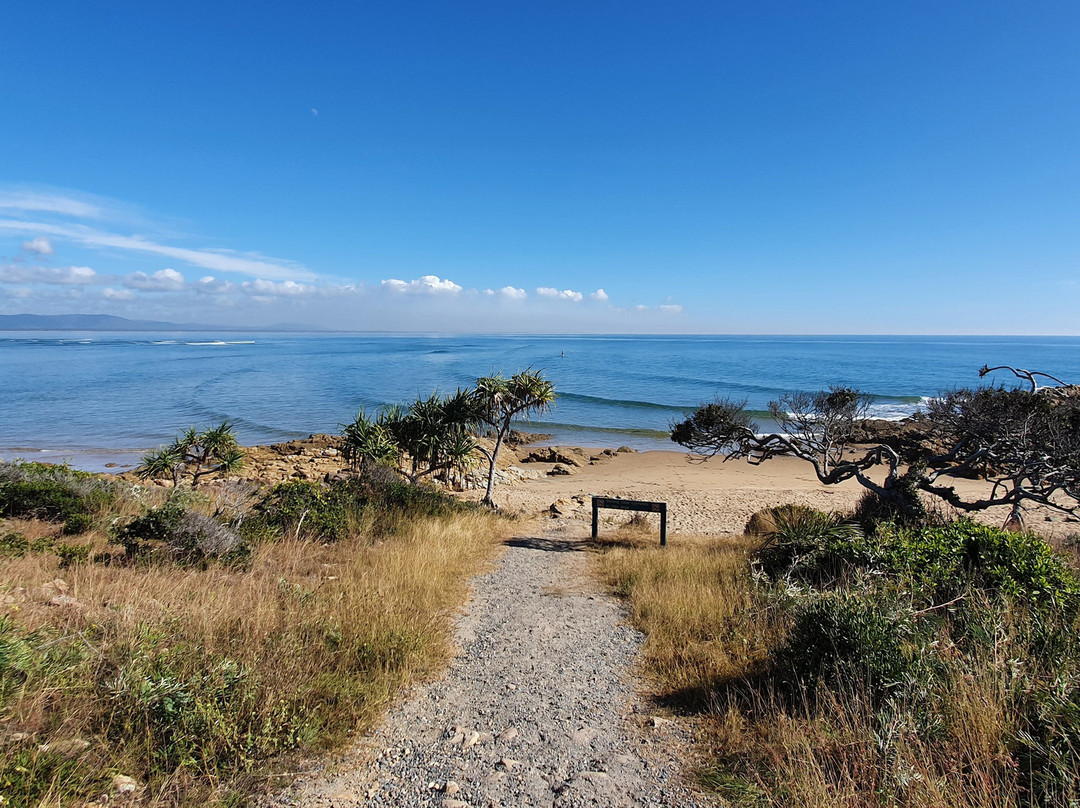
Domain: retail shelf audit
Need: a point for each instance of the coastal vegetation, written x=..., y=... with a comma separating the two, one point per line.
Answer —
x=196, y=454
x=501, y=400
x=1024, y=443
x=837, y=664
x=178, y=645
x=437, y=435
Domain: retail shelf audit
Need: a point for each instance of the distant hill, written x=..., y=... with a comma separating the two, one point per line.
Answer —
x=106, y=322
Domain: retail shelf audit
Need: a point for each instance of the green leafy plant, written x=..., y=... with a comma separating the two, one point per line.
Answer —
x=195, y=453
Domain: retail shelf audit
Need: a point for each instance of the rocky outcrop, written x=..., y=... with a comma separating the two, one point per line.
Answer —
x=910, y=437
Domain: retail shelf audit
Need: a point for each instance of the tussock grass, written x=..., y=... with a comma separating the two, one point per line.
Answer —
x=197, y=680
x=850, y=676
x=703, y=620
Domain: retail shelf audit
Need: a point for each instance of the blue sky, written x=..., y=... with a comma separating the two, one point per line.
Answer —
x=775, y=167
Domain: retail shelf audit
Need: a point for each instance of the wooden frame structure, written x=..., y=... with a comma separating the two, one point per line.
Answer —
x=617, y=504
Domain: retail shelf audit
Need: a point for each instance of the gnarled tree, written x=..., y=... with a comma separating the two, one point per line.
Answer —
x=1025, y=443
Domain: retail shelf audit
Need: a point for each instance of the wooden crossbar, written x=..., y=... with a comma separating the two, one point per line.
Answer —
x=617, y=504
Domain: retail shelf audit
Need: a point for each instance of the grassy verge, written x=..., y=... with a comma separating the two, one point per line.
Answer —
x=221, y=639
x=915, y=667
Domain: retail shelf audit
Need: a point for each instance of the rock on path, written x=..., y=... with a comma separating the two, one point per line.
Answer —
x=537, y=709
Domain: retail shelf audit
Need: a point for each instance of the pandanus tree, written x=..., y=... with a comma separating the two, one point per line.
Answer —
x=1024, y=443
x=197, y=453
x=501, y=400
x=432, y=435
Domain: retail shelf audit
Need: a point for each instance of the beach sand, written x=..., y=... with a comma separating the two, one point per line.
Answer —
x=710, y=498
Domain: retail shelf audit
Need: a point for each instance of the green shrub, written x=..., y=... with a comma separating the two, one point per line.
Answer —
x=850, y=643
x=943, y=562
x=299, y=507
x=807, y=545
x=184, y=535
x=53, y=493
x=333, y=511
x=78, y=523
x=72, y=554
x=15, y=545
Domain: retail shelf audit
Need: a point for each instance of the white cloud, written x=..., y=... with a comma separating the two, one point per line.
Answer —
x=117, y=294
x=565, y=294
x=671, y=308
x=164, y=280
x=20, y=293
x=513, y=293
x=424, y=285
x=78, y=276
x=38, y=246
x=209, y=285
x=599, y=295
x=267, y=288
x=27, y=201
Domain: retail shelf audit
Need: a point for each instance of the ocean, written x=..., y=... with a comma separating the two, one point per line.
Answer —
x=95, y=398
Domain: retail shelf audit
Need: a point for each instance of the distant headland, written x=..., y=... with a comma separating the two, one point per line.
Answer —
x=107, y=322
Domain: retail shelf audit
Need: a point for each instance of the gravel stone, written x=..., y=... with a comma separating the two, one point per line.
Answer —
x=539, y=707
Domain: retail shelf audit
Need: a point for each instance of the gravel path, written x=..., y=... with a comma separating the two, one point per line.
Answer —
x=537, y=709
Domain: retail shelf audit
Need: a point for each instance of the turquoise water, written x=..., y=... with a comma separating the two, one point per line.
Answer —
x=101, y=397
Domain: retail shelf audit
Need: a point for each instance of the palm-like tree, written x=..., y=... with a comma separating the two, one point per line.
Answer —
x=433, y=433
x=198, y=453
x=501, y=400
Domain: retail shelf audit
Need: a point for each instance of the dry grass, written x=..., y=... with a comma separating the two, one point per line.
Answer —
x=305, y=645
x=703, y=620
x=710, y=633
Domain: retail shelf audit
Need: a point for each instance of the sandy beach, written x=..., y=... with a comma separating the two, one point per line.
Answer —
x=709, y=498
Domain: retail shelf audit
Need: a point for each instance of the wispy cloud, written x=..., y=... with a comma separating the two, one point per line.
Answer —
x=251, y=264
x=27, y=200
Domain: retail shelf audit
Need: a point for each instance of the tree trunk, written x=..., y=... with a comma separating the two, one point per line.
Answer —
x=493, y=460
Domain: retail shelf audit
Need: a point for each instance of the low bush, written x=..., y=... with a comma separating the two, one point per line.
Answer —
x=183, y=534
x=374, y=504
x=15, y=545
x=53, y=493
x=804, y=544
